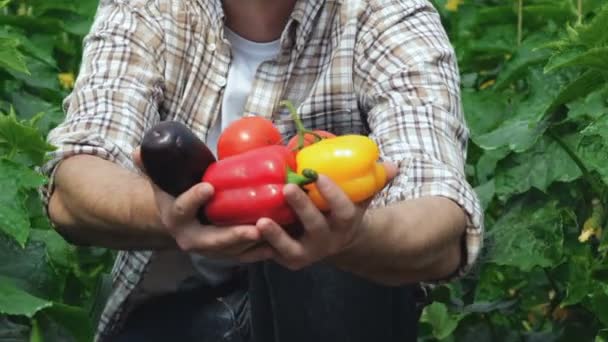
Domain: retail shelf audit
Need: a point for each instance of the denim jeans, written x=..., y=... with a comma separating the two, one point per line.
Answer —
x=318, y=304
x=201, y=315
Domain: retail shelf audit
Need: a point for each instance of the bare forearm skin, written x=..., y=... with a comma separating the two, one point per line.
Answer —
x=96, y=202
x=413, y=241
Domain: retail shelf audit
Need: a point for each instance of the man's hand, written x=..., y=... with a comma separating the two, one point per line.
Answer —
x=324, y=235
x=180, y=217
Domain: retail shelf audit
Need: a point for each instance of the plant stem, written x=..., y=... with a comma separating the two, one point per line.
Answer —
x=580, y=11
x=520, y=21
x=12, y=153
x=299, y=125
x=308, y=176
x=551, y=282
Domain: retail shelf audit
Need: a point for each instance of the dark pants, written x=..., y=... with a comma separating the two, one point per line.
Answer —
x=277, y=305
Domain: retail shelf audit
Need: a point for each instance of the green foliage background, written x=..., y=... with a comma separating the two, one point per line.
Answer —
x=536, y=100
x=47, y=286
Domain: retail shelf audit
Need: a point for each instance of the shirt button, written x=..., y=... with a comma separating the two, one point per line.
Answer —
x=211, y=47
x=221, y=82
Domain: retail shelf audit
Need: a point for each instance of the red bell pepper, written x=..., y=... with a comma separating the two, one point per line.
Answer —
x=249, y=186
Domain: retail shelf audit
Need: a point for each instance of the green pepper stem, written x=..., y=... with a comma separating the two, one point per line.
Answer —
x=308, y=176
x=301, y=130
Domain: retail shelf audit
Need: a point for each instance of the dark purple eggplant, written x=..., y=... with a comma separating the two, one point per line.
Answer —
x=174, y=158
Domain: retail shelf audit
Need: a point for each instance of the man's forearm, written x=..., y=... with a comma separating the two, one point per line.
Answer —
x=413, y=241
x=99, y=203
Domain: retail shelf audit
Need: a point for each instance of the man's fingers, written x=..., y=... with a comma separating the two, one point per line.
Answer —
x=335, y=197
x=342, y=209
x=186, y=206
x=312, y=219
x=218, y=241
x=256, y=253
x=136, y=155
x=279, y=239
x=391, y=170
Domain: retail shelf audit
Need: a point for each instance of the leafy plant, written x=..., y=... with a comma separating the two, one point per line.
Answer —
x=46, y=285
x=535, y=94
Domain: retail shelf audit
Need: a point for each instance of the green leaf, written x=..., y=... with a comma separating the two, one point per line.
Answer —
x=3, y=3
x=599, y=303
x=31, y=269
x=34, y=49
x=10, y=58
x=593, y=58
x=547, y=162
x=485, y=193
x=591, y=34
x=577, y=88
x=598, y=127
x=14, y=218
x=61, y=254
x=486, y=165
x=496, y=39
x=41, y=75
x=21, y=136
x=484, y=110
x=84, y=7
x=579, y=283
x=528, y=235
x=592, y=106
x=33, y=24
x=443, y=322
x=518, y=134
x=524, y=57
x=530, y=118
x=75, y=320
x=15, y=180
x=14, y=301
x=28, y=106
x=592, y=151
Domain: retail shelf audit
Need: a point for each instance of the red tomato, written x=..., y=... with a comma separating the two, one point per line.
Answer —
x=246, y=134
x=309, y=139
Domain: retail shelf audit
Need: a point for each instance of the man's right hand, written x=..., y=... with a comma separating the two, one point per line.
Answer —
x=180, y=217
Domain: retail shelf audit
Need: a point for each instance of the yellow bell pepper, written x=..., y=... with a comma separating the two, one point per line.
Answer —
x=351, y=161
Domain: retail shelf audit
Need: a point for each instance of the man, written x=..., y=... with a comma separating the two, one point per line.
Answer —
x=384, y=68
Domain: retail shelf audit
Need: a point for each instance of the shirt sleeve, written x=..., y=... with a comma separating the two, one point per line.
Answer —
x=118, y=89
x=407, y=74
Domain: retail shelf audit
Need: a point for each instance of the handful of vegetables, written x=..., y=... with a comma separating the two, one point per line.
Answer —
x=249, y=176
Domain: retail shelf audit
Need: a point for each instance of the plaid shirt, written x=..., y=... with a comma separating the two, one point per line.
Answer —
x=383, y=68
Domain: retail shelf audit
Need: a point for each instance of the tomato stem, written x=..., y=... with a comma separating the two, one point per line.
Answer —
x=302, y=131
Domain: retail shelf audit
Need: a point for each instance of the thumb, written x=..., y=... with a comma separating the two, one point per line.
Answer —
x=136, y=155
x=391, y=170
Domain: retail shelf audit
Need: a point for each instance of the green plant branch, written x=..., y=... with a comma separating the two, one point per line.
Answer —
x=11, y=153
x=520, y=21
x=554, y=302
x=580, y=11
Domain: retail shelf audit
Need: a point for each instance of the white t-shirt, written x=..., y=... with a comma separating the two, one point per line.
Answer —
x=246, y=58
